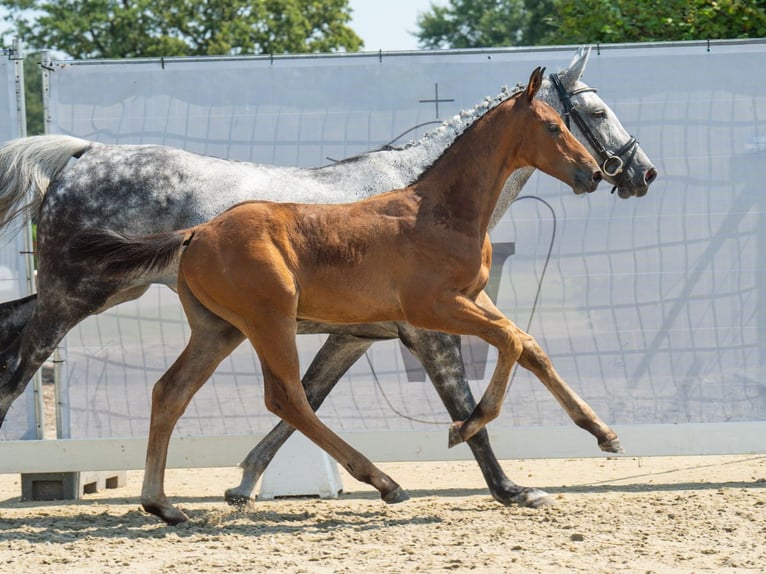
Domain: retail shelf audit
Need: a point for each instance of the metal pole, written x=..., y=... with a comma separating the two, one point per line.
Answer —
x=21, y=108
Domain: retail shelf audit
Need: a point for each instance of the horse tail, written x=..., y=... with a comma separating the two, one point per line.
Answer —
x=122, y=255
x=27, y=166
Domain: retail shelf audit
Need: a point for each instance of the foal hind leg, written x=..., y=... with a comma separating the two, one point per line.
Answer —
x=335, y=357
x=274, y=341
x=212, y=339
x=440, y=355
x=534, y=359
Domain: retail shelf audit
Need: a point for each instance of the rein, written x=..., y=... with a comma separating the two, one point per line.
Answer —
x=612, y=163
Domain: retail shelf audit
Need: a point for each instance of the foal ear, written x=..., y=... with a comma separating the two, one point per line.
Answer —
x=535, y=81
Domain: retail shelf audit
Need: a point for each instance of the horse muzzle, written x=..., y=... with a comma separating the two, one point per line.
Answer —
x=636, y=186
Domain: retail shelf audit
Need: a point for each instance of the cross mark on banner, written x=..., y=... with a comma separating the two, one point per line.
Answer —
x=436, y=100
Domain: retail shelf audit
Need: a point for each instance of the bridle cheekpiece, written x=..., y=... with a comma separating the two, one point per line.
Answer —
x=612, y=164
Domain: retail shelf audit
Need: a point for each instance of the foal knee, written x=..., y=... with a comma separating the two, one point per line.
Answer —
x=513, y=345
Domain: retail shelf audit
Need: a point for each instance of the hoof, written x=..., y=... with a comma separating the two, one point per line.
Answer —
x=168, y=513
x=235, y=498
x=454, y=435
x=395, y=496
x=613, y=445
x=533, y=498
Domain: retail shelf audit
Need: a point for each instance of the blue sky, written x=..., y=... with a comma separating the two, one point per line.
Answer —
x=385, y=25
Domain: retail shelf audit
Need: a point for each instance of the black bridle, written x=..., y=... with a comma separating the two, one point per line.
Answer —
x=612, y=164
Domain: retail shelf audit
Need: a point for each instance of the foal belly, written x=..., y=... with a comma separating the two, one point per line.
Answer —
x=347, y=300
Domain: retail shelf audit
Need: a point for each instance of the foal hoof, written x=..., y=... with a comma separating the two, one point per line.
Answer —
x=170, y=514
x=395, y=496
x=613, y=445
x=237, y=499
x=533, y=498
x=455, y=437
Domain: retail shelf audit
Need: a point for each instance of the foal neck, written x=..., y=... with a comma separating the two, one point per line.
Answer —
x=464, y=184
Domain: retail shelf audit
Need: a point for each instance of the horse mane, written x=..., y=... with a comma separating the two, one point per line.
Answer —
x=449, y=130
x=457, y=125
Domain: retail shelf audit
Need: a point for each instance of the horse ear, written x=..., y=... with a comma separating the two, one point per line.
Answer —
x=574, y=72
x=535, y=81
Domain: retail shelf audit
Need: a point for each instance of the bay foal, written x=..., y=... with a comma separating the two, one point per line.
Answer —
x=419, y=254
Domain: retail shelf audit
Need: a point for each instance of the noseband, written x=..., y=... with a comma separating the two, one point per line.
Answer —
x=612, y=164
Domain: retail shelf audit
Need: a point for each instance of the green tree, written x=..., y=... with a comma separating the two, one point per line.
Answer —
x=151, y=28
x=656, y=20
x=484, y=23
x=33, y=90
x=472, y=24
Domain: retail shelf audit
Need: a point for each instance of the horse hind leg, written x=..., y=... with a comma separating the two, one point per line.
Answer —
x=13, y=316
x=47, y=321
x=286, y=398
x=335, y=357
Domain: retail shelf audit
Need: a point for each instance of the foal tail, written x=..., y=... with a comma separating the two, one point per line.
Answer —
x=153, y=257
x=27, y=166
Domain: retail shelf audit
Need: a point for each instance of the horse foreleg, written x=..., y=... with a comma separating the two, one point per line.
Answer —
x=335, y=357
x=534, y=359
x=212, y=339
x=274, y=341
x=441, y=357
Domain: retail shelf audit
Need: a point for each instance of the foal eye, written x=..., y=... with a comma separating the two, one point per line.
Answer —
x=554, y=128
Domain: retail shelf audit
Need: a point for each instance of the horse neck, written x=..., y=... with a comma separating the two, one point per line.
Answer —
x=467, y=179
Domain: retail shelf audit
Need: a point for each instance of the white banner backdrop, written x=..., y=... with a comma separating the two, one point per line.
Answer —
x=650, y=308
x=20, y=422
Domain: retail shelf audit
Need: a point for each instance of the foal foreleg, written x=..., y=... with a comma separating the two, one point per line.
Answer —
x=461, y=315
x=534, y=359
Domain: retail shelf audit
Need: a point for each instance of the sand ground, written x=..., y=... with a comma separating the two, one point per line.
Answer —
x=661, y=515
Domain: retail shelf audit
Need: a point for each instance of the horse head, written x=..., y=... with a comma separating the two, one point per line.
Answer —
x=623, y=162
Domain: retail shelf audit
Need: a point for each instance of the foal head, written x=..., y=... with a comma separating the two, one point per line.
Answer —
x=548, y=145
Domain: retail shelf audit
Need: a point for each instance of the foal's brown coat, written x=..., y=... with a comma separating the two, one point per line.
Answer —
x=419, y=254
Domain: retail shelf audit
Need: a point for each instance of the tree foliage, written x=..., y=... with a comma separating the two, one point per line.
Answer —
x=471, y=23
x=151, y=28
x=484, y=23
x=656, y=20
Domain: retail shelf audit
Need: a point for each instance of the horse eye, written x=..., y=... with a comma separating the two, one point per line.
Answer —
x=599, y=114
x=554, y=128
